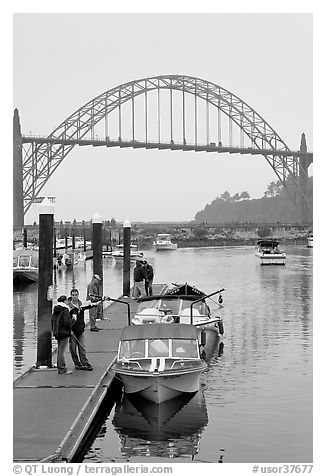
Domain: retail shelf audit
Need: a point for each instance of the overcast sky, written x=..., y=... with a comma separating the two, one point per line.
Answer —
x=61, y=61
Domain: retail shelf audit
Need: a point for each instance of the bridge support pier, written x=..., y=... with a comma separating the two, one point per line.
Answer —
x=18, y=201
x=303, y=174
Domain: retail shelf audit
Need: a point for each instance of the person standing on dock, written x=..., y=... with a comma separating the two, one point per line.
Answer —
x=149, y=278
x=93, y=295
x=77, y=338
x=139, y=277
x=62, y=322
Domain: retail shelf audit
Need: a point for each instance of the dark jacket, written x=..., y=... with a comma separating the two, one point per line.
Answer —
x=139, y=273
x=93, y=292
x=149, y=272
x=61, y=321
x=79, y=310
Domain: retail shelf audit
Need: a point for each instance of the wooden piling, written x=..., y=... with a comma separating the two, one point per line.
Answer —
x=73, y=238
x=25, y=237
x=97, y=243
x=126, y=258
x=44, y=338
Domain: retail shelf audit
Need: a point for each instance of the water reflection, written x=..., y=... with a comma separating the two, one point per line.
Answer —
x=171, y=429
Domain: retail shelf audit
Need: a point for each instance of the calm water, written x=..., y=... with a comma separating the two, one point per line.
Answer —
x=255, y=403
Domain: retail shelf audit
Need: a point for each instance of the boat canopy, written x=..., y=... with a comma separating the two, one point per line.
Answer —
x=184, y=290
x=168, y=297
x=270, y=242
x=159, y=331
x=163, y=236
x=25, y=252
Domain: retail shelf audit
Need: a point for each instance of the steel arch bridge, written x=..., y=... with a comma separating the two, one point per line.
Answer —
x=212, y=108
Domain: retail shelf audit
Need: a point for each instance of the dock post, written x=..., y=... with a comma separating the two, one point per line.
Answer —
x=44, y=338
x=97, y=225
x=25, y=237
x=126, y=258
x=73, y=239
x=54, y=242
x=66, y=237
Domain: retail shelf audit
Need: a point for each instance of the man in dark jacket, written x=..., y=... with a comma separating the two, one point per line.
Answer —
x=149, y=278
x=139, y=276
x=93, y=295
x=77, y=338
x=62, y=322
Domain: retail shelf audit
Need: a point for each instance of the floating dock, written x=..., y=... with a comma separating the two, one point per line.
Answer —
x=53, y=413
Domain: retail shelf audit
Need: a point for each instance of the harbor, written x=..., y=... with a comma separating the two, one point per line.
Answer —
x=263, y=370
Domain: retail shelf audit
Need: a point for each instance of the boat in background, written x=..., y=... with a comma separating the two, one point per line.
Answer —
x=25, y=265
x=160, y=362
x=70, y=258
x=310, y=241
x=268, y=252
x=135, y=254
x=163, y=242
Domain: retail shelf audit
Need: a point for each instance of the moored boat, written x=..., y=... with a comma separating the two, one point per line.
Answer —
x=160, y=362
x=163, y=242
x=135, y=254
x=184, y=304
x=70, y=258
x=310, y=241
x=268, y=252
x=25, y=265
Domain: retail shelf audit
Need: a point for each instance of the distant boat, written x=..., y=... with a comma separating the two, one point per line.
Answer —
x=163, y=242
x=25, y=265
x=135, y=254
x=310, y=241
x=268, y=252
x=70, y=258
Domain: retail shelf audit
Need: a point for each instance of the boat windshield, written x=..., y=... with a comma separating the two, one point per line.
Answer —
x=170, y=306
x=184, y=348
x=158, y=347
x=132, y=349
x=25, y=261
x=201, y=308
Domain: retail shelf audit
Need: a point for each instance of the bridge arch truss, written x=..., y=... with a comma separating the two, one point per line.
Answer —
x=42, y=158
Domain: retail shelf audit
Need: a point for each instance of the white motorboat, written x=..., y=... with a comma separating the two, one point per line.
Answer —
x=163, y=242
x=268, y=252
x=25, y=265
x=183, y=304
x=160, y=362
x=135, y=254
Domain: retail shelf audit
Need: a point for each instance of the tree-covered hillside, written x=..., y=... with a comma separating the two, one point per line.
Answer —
x=274, y=206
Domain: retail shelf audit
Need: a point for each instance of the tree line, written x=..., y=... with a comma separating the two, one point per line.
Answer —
x=275, y=206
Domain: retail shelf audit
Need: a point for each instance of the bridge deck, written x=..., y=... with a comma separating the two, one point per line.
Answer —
x=211, y=147
x=52, y=412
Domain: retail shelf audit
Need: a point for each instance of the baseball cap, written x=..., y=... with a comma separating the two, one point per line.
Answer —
x=97, y=277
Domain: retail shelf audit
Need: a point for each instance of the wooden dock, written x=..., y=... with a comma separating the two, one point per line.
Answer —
x=52, y=413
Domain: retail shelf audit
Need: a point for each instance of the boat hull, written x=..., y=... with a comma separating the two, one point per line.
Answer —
x=269, y=259
x=25, y=275
x=161, y=387
x=165, y=247
x=310, y=242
